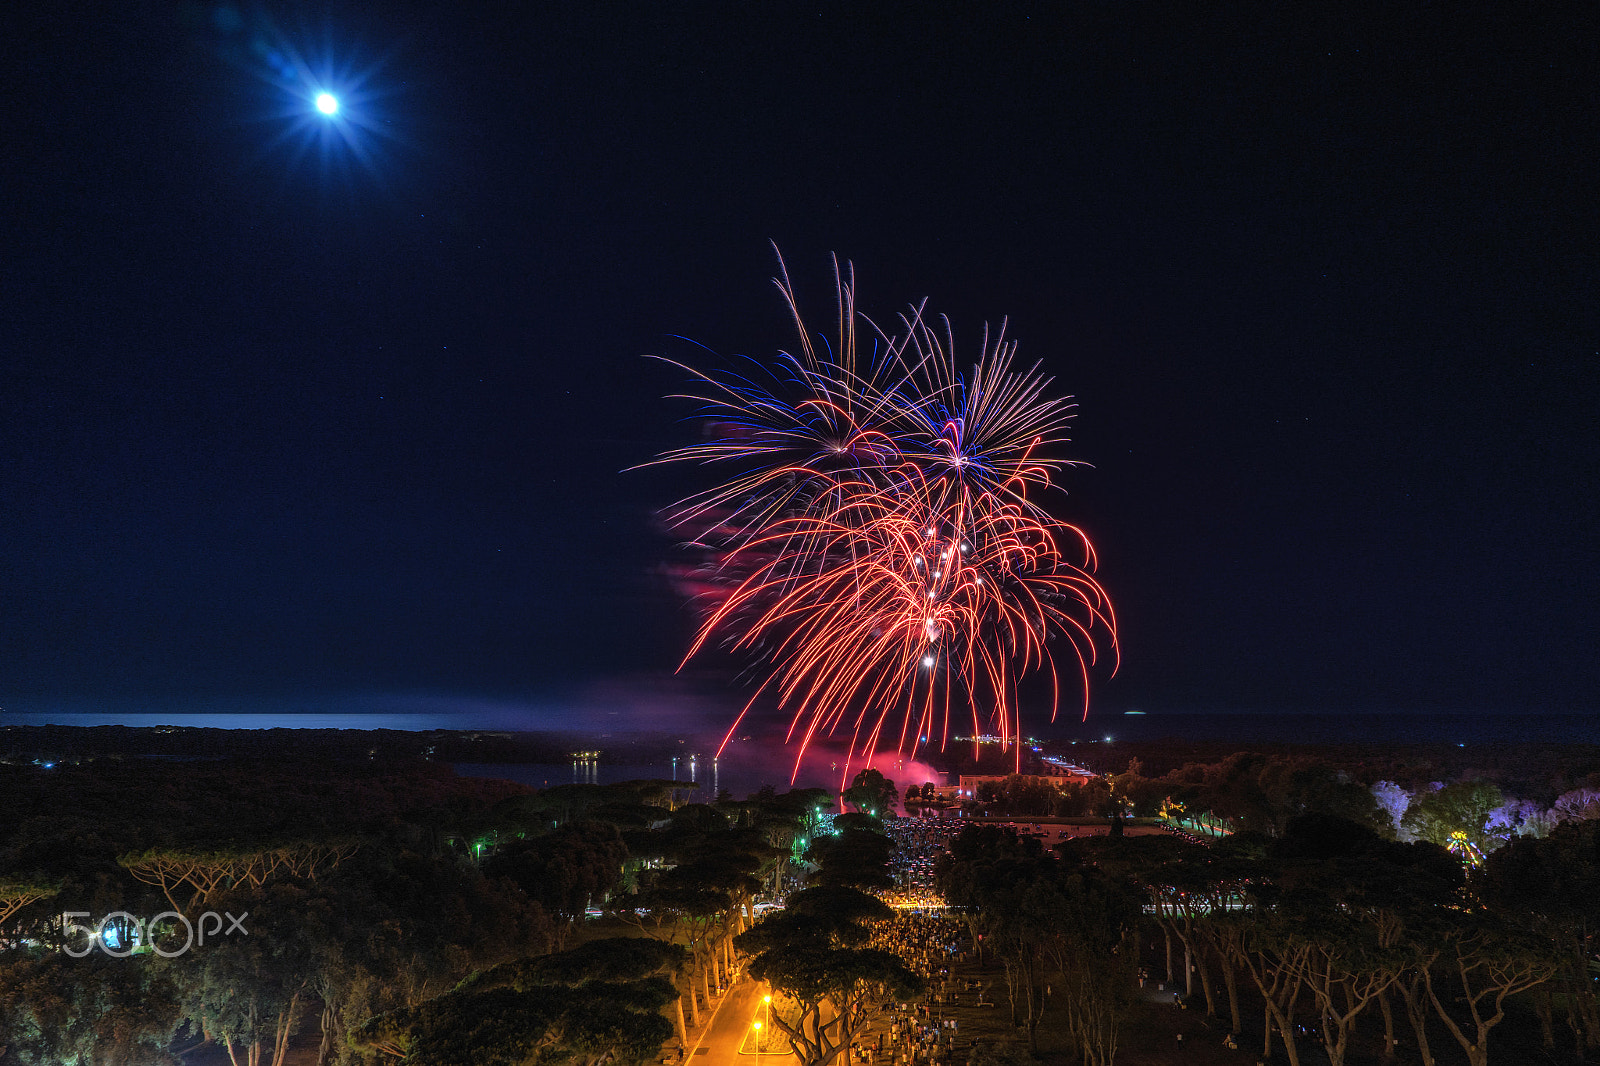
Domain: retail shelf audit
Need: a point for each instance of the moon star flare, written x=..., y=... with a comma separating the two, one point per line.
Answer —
x=879, y=544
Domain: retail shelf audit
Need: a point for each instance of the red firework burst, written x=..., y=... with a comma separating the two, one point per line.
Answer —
x=878, y=545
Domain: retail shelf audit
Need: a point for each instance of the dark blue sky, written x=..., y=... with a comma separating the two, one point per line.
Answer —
x=284, y=416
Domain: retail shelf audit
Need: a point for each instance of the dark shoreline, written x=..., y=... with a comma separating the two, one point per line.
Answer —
x=28, y=743
x=1528, y=768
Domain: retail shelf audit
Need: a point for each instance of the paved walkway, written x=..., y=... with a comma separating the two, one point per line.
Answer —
x=728, y=1038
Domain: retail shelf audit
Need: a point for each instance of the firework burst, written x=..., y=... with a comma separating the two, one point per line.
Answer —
x=877, y=545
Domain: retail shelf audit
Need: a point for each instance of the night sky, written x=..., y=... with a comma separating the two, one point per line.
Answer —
x=297, y=411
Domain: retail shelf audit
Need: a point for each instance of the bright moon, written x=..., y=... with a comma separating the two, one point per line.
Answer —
x=327, y=103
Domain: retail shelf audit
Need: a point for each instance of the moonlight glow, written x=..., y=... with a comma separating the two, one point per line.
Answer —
x=330, y=110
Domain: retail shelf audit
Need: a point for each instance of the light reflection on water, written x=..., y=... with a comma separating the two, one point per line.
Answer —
x=741, y=779
x=548, y=775
x=737, y=776
x=746, y=767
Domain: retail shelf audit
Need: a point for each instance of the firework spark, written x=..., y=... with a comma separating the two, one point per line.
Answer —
x=878, y=546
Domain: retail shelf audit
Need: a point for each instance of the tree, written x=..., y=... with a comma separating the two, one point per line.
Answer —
x=1194, y=892
x=608, y=959
x=1550, y=887
x=833, y=990
x=64, y=1011
x=1485, y=962
x=1233, y=790
x=190, y=877
x=393, y=928
x=684, y=916
x=783, y=823
x=702, y=898
x=596, y=1003
x=1460, y=807
x=1093, y=946
x=1089, y=797
x=729, y=875
x=1262, y=792
x=1392, y=801
x=1065, y=919
x=564, y=871
x=1580, y=804
x=811, y=952
x=857, y=820
x=1026, y=795
x=245, y=991
x=873, y=793
x=1353, y=900
x=858, y=858
x=18, y=891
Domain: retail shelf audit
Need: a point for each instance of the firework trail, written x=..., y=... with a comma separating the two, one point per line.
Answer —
x=877, y=545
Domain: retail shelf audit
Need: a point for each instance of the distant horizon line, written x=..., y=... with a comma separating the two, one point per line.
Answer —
x=529, y=721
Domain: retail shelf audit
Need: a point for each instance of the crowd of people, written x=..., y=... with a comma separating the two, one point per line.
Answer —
x=918, y=844
x=931, y=942
x=912, y=1036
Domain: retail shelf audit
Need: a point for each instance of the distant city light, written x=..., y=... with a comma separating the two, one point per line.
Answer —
x=327, y=103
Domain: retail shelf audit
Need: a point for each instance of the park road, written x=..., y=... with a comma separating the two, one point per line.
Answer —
x=730, y=1038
